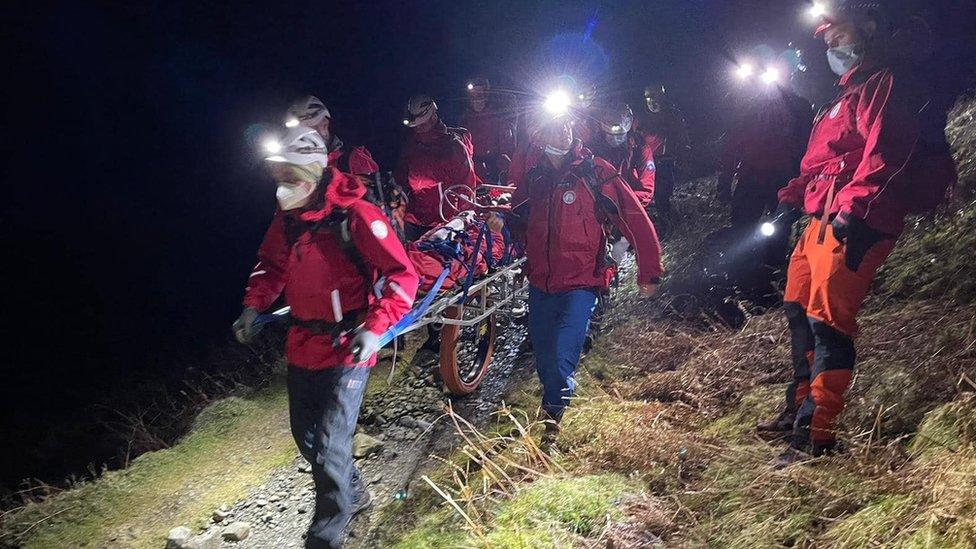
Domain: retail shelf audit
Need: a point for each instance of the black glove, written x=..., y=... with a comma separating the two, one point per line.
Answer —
x=243, y=327
x=786, y=215
x=857, y=238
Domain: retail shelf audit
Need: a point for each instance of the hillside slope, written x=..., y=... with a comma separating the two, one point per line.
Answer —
x=660, y=447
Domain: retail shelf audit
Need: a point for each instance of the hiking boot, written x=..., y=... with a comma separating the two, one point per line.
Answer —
x=789, y=456
x=779, y=428
x=364, y=501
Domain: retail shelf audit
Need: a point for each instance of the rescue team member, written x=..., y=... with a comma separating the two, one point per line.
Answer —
x=627, y=149
x=561, y=207
x=763, y=151
x=868, y=164
x=664, y=122
x=311, y=112
x=491, y=120
x=325, y=250
x=432, y=154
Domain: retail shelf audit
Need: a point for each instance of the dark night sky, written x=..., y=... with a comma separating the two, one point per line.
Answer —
x=133, y=203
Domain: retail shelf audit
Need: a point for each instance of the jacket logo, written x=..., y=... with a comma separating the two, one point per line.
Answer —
x=569, y=197
x=650, y=166
x=379, y=229
x=835, y=111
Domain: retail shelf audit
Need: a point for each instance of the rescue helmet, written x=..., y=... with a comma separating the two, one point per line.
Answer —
x=420, y=109
x=307, y=111
x=298, y=145
x=617, y=119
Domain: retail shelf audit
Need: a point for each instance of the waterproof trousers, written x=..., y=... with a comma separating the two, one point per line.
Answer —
x=324, y=407
x=822, y=300
x=557, y=326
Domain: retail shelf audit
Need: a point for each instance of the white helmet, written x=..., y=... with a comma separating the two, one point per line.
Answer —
x=420, y=109
x=299, y=145
x=308, y=111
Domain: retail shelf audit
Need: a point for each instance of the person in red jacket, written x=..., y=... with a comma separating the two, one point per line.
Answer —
x=434, y=158
x=347, y=279
x=561, y=208
x=628, y=150
x=858, y=181
x=491, y=120
x=311, y=112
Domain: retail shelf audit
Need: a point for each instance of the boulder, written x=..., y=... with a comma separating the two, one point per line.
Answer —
x=364, y=445
x=236, y=531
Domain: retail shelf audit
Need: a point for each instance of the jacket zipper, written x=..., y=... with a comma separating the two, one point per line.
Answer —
x=549, y=241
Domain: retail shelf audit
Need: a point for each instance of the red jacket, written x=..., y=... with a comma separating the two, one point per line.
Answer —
x=634, y=160
x=442, y=155
x=859, y=150
x=315, y=266
x=492, y=130
x=564, y=226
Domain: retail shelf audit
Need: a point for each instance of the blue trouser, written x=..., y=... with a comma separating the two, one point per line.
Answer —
x=324, y=406
x=557, y=326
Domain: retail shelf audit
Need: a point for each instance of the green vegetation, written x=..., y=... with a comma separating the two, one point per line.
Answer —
x=233, y=445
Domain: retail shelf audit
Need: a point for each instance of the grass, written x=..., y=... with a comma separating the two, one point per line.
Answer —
x=234, y=444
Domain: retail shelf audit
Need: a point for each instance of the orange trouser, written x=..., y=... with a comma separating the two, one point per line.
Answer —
x=820, y=286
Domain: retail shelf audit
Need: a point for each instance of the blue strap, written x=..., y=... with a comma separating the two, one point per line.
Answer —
x=408, y=319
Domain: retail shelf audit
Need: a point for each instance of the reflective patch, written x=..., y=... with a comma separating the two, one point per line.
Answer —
x=835, y=111
x=379, y=229
x=354, y=384
x=650, y=166
x=569, y=197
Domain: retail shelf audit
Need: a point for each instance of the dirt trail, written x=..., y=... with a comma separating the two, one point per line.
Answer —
x=407, y=419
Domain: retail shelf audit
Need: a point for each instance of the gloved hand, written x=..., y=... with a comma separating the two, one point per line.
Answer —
x=495, y=222
x=786, y=215
x=364, y=345
x=857, y=238
x=243, y=327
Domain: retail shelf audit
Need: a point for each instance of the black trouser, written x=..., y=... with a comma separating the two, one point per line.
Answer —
x=324, y=406
x=665, y=179
x=756, y=195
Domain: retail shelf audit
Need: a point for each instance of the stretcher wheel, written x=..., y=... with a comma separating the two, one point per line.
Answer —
x=466, y=351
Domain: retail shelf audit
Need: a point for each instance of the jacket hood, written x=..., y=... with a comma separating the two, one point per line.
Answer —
x=336, y=190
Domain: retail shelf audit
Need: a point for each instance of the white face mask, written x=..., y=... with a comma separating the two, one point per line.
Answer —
x=615, y=139
x=294, y=195
x=843, y=58
x=553, y=151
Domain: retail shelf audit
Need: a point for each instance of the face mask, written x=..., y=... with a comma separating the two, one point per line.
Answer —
x=843, y=58
x=294, y=195
x=550, y=150
x=615, y=139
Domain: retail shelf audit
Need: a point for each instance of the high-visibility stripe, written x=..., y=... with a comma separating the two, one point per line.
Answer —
x=256, y=273
x=336, y=305
x=400, y=293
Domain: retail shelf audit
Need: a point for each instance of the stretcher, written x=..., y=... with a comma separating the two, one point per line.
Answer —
x=473, y=290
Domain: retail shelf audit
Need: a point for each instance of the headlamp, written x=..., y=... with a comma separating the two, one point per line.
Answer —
x=817, y=10
x=291, y=123
x=557, y=102
x=770, y=75
x=406, y=122
x=470, y=86
x=744, y=71
x=767, y=229
x=272, y=146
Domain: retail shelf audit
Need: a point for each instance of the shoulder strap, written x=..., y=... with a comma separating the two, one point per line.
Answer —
x=338, y=224
x=586, y=170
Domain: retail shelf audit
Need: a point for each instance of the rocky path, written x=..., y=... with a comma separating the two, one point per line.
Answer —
x=400, y=428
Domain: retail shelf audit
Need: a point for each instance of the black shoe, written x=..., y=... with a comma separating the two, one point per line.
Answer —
x=790, y=456
x=777, y=429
